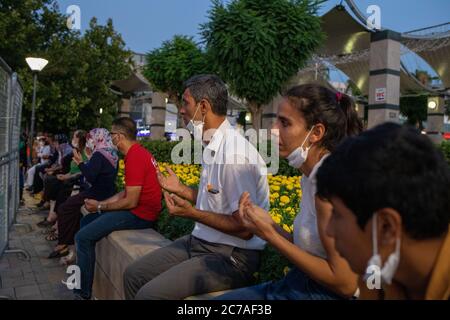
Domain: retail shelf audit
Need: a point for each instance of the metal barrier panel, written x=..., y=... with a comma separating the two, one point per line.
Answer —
x=3, y=209
x=4, y=157
x=11, y=96
x=14, y=135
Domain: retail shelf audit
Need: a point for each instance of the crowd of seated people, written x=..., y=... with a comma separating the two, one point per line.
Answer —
x=372, y=200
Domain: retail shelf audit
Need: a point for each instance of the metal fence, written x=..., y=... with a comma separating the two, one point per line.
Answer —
x=11, y=95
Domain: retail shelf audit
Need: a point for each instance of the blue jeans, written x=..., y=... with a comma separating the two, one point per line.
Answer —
x=296, y=285
x=93, y=228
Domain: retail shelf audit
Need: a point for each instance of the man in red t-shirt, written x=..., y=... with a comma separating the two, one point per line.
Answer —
x=137, y=207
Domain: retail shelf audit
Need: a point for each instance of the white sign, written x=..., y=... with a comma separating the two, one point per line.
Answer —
x=380, y=94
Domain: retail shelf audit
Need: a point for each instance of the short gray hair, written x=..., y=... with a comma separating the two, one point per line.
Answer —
x=211, y=88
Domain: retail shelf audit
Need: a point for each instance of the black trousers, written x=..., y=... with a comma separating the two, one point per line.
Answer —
x=38, y=183
x=56, y=190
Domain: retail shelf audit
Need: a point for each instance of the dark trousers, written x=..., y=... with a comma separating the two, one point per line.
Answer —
x=57, y=190
x=95, y=227
x=69, y=217
x=21, y=183
x=296, y=285
x=38, y=183
x=189, y=266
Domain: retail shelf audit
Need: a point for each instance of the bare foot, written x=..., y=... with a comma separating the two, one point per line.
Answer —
x=52, y=216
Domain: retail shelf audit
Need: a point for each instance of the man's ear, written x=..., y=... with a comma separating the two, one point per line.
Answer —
x=205, y=106
x=389, y=224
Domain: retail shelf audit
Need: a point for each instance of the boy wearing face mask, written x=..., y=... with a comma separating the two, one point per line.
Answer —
x=390, y=190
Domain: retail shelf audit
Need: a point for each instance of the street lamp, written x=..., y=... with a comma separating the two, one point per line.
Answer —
x=36, y=65
x=432, y=104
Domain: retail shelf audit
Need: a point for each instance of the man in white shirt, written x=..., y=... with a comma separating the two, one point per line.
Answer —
x=219, y=254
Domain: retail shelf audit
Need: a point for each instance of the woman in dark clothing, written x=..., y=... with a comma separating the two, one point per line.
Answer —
x=100, y=172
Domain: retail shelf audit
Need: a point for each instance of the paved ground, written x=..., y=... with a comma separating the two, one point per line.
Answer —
x=39, y=278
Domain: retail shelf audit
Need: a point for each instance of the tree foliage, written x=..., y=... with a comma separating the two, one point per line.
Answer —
x=174, y=62
x=75, y=84
x=415, y=109
x=256, y=46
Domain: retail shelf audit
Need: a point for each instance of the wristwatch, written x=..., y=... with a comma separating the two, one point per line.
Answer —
x=99, y=207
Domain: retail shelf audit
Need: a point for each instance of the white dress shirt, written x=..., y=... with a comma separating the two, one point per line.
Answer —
x=231, y=165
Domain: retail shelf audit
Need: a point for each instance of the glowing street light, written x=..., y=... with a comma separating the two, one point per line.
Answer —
x=36, y=65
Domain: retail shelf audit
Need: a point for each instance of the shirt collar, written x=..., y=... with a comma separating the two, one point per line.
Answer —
x=217, y=137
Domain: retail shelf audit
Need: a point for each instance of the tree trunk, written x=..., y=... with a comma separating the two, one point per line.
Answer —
x=173, y=98
x=256, y=110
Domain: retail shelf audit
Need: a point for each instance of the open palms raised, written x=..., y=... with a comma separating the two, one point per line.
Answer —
x=170, y=183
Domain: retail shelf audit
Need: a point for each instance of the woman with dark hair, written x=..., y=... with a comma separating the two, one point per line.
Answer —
x=58, y=188
x=311, y=121
x=100, y=173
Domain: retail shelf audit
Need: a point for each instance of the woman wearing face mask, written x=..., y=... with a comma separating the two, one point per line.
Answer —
x=100, y=173
x=311, y=121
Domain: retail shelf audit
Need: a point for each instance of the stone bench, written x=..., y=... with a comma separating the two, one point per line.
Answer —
x=116, y=251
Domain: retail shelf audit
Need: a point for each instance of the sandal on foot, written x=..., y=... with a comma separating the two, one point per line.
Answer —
x=45, y=223
x=53, y=236
x=59, y=254
x=48, y=231
x=69, y=259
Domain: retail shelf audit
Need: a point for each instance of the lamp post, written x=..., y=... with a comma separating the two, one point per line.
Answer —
x=36, y=65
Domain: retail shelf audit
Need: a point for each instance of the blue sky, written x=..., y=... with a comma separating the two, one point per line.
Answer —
x=145, y=24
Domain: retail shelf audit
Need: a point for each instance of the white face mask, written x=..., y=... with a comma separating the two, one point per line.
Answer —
x=90, y=144
x=299, y=155
x=391, y=264
x=196, y=127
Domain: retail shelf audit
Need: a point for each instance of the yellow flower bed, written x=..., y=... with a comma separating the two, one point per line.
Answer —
x=285, y=192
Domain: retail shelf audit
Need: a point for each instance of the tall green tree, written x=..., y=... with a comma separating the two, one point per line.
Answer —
x=75, y=83
x=256, y=46
x=104, y=59
x=173, y=63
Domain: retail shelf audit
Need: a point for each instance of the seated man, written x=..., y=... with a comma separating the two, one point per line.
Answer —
x=137, y=207
x=390, y=190
x=219, y=254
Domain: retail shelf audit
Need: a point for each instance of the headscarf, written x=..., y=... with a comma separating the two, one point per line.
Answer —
x=101, y=139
